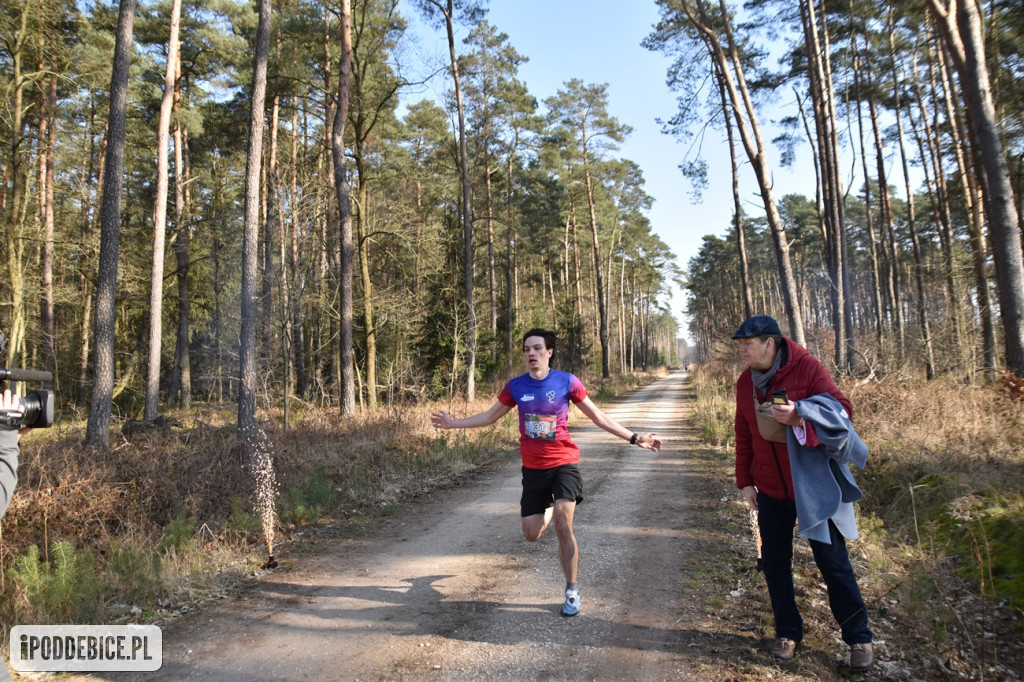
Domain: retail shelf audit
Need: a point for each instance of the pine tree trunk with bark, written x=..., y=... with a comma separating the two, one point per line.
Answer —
x=960, y=26
x=156, y=282
x=342, y=189
x=97, y=432
x=247, y=426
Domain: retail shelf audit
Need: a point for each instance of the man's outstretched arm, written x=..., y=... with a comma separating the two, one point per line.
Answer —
x=443, y=420
x=648, y=441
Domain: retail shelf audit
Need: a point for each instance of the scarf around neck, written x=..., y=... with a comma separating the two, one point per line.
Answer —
x=763, y=379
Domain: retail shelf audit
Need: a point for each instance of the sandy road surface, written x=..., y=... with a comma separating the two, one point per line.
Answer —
x=449, y=589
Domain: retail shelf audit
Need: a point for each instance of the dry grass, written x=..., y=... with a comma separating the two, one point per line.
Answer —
x=715, y=402
x=959, y=426
x=165, y=516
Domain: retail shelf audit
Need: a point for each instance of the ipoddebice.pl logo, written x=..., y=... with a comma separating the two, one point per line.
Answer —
x=86, y=648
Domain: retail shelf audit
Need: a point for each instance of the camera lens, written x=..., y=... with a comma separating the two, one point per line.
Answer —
x=38, y=408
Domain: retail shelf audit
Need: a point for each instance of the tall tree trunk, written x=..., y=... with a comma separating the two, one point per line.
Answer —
x=935, y=160
x=623, y=343
x=510, y=258
x=297, y=273
x=632, y=321
x=869, y=222
x=741, y=244
x=447, y=10
x=247, y=426
x=928, y=150
x=218, y=314
x=892, y=279
x=273, y=223
x=363, y=245
x=181, y=385
x=92, y=227
x=265, y=254
x=467, y=212
x=156, y=282
x=745, y=115
x=492, y=280
x=922, y=308
x=823, y=100
x=342, y=190
x=602, y=303
x=577, y=269
x=330, y=268
x=86, y=229
x=46, y=264
x=18, y=203
x=960, y=26
x=975, y=219
x=181, y=375
x=97, y=431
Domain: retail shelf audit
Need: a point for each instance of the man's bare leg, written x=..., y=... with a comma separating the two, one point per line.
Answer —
x=535, y=525
x=568, y=550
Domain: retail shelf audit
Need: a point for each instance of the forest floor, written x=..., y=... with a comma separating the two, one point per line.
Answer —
x=446, y=588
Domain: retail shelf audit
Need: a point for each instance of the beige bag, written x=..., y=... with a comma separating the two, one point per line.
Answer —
x=770, y=429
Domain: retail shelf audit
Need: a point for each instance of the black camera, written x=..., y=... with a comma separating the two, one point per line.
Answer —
x=35, y=408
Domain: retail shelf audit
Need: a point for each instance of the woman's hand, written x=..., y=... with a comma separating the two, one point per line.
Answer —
x=786, y=414
x=750, y=496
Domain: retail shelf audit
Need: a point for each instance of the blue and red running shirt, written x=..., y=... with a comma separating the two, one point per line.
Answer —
x=544, y=440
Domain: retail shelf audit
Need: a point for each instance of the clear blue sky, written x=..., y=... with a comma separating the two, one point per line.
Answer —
x=598, y=41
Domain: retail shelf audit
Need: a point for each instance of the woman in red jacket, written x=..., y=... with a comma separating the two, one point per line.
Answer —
x=775, y=363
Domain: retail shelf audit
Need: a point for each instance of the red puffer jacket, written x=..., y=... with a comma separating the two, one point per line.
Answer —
x=763, y=463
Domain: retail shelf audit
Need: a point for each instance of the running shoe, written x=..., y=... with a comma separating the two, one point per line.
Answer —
x=572, y=603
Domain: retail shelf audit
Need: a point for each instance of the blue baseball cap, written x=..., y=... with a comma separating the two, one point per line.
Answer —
x=757, y=326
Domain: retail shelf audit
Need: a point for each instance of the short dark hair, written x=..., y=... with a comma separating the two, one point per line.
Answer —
x=547, y=335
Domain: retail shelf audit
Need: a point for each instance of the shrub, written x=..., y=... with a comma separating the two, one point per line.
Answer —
x=63, y=590
x=135, y=573
x=178, y=532
x=307, y=501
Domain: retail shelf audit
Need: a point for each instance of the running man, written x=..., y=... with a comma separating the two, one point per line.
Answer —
x=552, y=484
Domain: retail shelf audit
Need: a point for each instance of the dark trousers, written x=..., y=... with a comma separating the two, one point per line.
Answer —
x=777, y=519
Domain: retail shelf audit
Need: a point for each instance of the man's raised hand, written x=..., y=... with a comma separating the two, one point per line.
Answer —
x=649, y=441
x=441, y=420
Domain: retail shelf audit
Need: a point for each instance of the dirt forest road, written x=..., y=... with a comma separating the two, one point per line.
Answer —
x=448, y=589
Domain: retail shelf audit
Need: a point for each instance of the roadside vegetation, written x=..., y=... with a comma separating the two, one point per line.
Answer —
x=942, y=518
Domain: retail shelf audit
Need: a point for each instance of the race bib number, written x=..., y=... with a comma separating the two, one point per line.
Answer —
x=541, y=426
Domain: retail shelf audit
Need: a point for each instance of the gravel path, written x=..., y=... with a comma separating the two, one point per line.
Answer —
x=448, y=588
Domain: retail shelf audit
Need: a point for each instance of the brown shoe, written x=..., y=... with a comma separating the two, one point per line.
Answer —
x=862, y=656
x=783, y=649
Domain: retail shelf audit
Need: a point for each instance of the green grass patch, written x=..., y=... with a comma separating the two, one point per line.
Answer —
x=306, y=501
x=177, y=533
x=986, y=534
x=242, y=519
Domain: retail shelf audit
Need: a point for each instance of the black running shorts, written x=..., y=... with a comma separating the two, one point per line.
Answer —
x=541, y=487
